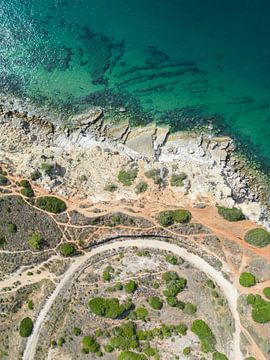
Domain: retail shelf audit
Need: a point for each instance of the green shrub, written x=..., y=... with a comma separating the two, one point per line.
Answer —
x=12, y=228
x=127, y=177
x=111, y=187
x=177, y=179
x=35, y=175
x=30, y=305
x=26, y=327
x=246, y=279
x=204, y=333
x=2, y=241
x=219, y=356
x=76, y=331
x=181, y=329
x=174, y=287
x=90, y=344
x=25, y=183
x=129, y=355
x=258, y=237
x=141, y=187
x=130, y=287
x=47, y=168
x=171, y=259
x=181, y=216
x=172, y=301
x=141, y=313
x=190, y=309
x=186, y=351
x=3, y=180
x=67, y=249
x=108, y=307
x=106, y=276
x=266, y=292
x=27, y=192
x=61, y=341
x=51, y=204
x=165, y=218
x=231, y=214
x=108, y=348
x=170, y=275
x=210, y=284
x=155, y=302
x=260, y=308
x=154, y=174
x=35, y=241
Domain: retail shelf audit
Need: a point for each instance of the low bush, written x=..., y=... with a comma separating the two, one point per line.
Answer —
x=76, y=331
x=258, y=237
x=12, y=228
x=30, y=305
x=110, y=187
x=130, y=287
x=141, y=313
x=190, y=309
x=47, y=168
x=90, y=344
x=231, y=214
x=26, y=327
x=247, y=279
x=127, y=177
x=219, y=356
x=108, y=348
x=27, y=192
x=266, y=292
x=35, y=241
x=155, y=302
x=186, y=351
x=129, y=355
x=3, y=180
x=181, y=216
x=177, y=179
x=2, y=241
x=260, y=308
x=35, y=175
x=141, y=187
x=154, y=174
x=61, y=341
x=51, y=204
x=170, y=217
x=171, y=259
x=108, y=307
x=204, y=333
x=67, y=249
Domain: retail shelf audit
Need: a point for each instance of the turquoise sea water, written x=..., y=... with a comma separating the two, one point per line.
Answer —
x=181, y=61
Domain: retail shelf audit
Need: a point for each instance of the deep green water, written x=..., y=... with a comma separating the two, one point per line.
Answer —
x=182, y=61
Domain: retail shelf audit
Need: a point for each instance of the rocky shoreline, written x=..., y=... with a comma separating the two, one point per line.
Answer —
x=93, y=149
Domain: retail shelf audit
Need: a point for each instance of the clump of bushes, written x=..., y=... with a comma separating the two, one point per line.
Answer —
x=129, y=355
x=35, y=175
x=141, y=187
x=51, y=204
x=258, y=237
x=12, y=228
x=3, y=180
x=67, y=249
x=204, y=333
x=125, y=337
x=127, y=177
x=107, y=273
x=170, y=217
x=47, y=168
x=30, y=305
x=219, y=356
x=130, y=287
x=266, y=292
x=26, y=190
x=154, y=174
x=110, y=187
x=90, y=345
x=231, y=214
x=141, y=313
x=177, y=179
x=247, y=279
x=171, y=259
x=26, y=327
x=155, y=302
x=2, y=241
x=108, y=307
x=77, y=331
x=260, y=308
x=35, y=241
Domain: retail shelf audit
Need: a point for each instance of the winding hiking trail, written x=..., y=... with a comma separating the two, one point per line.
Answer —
x=228, y=289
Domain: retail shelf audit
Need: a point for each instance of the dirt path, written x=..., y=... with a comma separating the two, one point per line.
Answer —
x=228, y=289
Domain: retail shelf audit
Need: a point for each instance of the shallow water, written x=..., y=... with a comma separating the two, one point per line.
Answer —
x=181, y=61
